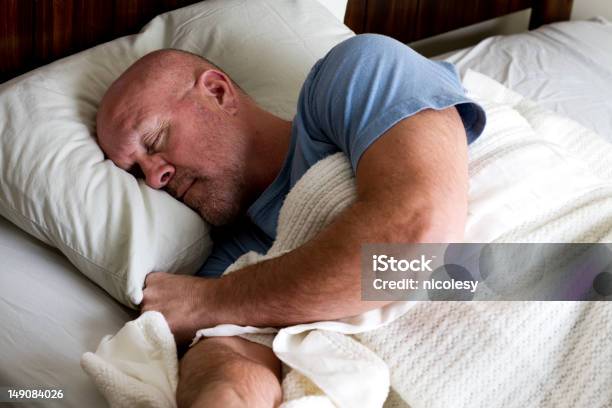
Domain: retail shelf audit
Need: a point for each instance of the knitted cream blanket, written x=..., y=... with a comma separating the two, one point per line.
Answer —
x=534, y=177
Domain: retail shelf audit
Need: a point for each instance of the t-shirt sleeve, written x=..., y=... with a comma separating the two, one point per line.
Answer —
x=230, y=243
x=368, y=83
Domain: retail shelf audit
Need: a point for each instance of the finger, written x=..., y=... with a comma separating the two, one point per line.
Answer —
x=142, y=303
x=145, y=301
x=152, y=276
x=144, y=307
x=145, y=293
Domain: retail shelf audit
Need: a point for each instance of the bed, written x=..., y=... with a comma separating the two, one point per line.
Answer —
x=51, y=313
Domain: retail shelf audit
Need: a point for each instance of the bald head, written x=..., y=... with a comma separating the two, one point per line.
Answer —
x=172, y=117
x=173, y=67
x=162, y=73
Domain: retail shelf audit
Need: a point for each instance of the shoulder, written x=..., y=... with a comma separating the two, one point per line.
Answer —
x=370, y=46
x=355, y=56
x=368, y=41
x=364, y=57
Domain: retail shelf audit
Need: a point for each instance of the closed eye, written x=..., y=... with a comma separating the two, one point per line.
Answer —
x=156, y=145
x=151, y=148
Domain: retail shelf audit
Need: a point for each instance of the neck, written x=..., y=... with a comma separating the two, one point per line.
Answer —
x=269, y=138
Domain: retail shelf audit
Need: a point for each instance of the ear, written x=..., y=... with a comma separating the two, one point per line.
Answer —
x=216, y=85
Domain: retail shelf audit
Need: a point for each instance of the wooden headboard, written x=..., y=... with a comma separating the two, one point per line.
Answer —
x=36, y=32
x=412, y=20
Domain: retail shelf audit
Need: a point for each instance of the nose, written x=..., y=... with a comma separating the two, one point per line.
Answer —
x=158, y=172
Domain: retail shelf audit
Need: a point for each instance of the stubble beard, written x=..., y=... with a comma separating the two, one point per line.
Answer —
x=220, y=202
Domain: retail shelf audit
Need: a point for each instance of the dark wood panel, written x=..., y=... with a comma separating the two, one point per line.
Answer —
x=35, y=32
x=395, y=18
x=411, y=20
x=53, y=34
x=131, y=15
x=63, y=27
x=16, y=37
x=355, y=15
x=549, y=11
x=92, y=22
x=439, y=16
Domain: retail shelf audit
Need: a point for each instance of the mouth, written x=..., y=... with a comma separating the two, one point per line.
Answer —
x=181, y=195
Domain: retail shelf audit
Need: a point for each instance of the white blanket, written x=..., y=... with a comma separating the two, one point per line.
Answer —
x=534, y=177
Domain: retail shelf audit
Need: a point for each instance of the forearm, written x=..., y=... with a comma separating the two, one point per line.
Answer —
x=320, y=280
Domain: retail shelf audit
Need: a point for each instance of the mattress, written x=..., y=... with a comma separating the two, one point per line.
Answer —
x=51, y=314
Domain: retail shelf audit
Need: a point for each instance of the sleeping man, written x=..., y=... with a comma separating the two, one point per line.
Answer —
x=181, y=123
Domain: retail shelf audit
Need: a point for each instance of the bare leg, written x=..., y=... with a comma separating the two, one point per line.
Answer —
x=229, y=372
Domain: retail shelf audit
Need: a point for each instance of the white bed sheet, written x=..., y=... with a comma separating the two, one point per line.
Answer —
x=51, y=313
x=565, y=67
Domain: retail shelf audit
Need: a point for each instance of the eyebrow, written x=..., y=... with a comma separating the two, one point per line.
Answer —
x=147, y=136
x=127, y=163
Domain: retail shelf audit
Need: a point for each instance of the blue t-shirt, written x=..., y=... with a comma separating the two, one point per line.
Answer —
x=351, y=97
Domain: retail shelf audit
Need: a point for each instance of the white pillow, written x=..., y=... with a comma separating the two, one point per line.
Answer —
x=336, y=7
x=565, y=67
x=54, y=181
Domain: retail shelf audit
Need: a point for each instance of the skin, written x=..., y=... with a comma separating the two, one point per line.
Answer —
x=412, y=186
x=169, y=111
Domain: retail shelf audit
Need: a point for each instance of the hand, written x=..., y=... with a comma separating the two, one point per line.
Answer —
x=180, y=299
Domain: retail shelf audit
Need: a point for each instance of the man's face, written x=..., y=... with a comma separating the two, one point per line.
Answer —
x=176, y=140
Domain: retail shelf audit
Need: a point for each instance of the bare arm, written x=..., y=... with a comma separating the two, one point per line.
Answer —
x=411, y=187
